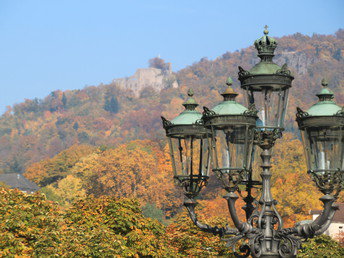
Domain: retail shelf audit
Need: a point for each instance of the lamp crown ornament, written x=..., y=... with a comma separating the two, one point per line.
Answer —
x=266, y=45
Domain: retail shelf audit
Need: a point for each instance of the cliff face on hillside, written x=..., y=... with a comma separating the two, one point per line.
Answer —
x=130, y=108
x=299, y=61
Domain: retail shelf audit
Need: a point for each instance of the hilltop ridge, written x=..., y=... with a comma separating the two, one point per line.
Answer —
x=130, y=108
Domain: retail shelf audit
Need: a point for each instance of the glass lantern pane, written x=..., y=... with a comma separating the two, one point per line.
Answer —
x=205, y=156
x=324, y=148
x=191, y=156
x=271, y=105
x=233, y=148
x=256, y=163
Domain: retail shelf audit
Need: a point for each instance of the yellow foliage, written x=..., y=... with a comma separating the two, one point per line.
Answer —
x=69, y=189
x=292, y=186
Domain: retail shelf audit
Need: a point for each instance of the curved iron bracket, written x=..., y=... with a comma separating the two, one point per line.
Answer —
x=190, y=205
x=319, y=225
x=243, y=227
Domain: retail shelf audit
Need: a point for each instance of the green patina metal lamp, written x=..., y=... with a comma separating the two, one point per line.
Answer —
x=232, y=126
x=322, y=131
x=225, y=138
x=266, y=85
x=189, y=148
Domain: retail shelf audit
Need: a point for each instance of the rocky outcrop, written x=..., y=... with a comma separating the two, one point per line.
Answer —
x=298, y=60
x=155, y=78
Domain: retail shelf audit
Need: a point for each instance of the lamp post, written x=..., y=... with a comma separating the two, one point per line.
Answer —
x=226, y=138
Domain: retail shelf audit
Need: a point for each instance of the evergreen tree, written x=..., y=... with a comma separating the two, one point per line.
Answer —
x=76, y=126
x=111, y=104
x=64, y=100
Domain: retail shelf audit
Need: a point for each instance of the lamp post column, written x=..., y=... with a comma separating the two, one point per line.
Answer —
x=268, y=213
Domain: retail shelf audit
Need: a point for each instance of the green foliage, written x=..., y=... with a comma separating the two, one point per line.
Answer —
x=321, y=246
x=188, y=240
x=104, y=227
x=64, y=100
x=76, y=126
x=50, y=194
x=28, y=224
x=151, y=211
x=127, y=231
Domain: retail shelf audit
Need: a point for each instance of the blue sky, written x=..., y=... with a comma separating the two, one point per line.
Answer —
x=55, y=44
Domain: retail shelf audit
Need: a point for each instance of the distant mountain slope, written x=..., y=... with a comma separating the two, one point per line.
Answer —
x=110, y=114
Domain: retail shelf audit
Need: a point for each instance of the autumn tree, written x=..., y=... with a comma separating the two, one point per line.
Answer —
x=189, y=241
x=50, y=171
x=28, y=224
x=292, y=186
x=132, y=170
x=66, y=191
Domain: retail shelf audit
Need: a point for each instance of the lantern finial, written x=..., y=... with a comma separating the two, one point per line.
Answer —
x=229, y=81
x=190, y=103
x=325, y=94
x=229, y=93
x=266, y=32
x=190, y=92
x=324, y=82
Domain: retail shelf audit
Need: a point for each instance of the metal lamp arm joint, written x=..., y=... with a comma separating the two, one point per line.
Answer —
x=243, y=227
x=190, y=206
x=320, y=224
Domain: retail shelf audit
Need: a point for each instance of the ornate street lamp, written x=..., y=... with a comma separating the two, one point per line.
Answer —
x=231, y=130
x=322, y=131
x=232, y=126
x=189, y=148
x=267, y=85
x=189, y=143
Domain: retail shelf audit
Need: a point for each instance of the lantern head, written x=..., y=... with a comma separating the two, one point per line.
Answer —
x=232, y=128
x=189, y=148
x=322, y=131
x=266, y=85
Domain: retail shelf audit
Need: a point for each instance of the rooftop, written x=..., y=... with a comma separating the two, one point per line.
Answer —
x=338, y=216
x=15, y=180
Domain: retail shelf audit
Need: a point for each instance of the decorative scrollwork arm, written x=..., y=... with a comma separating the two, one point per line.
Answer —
x=284, y=70
x=329, y=220
x=242, y=72
x=190, y=205
x=300, y=113
x=207, y=112
x=243, y=227
x=251, y=111
x=340, y=112
x=166, y=123
x=319, y=225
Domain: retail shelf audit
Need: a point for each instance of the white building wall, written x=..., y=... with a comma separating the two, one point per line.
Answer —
x=334, y=229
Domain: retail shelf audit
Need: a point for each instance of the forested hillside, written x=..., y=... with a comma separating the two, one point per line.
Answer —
x=109, y=115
